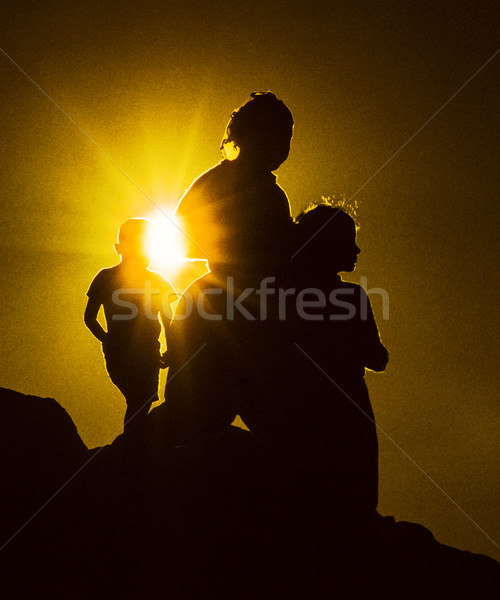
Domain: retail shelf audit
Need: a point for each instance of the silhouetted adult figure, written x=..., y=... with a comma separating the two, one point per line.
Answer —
x=237, y=217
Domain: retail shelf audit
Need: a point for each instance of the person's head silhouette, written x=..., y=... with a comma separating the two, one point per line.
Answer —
x=326, y=238
x=133, y=243
x=259, y=132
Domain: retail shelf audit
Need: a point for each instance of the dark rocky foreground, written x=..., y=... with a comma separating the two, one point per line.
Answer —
x=218, y=519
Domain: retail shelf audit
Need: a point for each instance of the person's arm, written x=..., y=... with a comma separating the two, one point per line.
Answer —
x=375, y=354
x=90, y=318
x=378, y=358
x=166, y=313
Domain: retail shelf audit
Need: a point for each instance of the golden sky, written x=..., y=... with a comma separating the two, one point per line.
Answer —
x=110, y=110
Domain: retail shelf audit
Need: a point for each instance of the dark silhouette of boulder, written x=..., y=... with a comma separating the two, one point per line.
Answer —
x=39, y=448
x=220, y=518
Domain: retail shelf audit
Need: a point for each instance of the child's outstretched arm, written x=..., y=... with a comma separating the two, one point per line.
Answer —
x=90, y=318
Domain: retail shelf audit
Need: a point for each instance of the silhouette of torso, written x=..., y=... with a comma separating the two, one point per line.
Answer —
x=131, y=302
x=238, y=217
x=334, y=349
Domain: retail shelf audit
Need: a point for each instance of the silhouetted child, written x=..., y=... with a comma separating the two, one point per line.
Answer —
x=339, y=339
x=134, y=300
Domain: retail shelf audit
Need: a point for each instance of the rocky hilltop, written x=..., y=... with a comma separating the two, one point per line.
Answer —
x=220, y=518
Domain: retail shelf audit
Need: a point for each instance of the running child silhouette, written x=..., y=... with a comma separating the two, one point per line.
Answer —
x=136, y=302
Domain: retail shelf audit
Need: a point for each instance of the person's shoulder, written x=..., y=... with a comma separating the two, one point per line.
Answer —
x=281, y=201
x=108, y=273
x=102, y=279
x=359, y=290
x=209, y=175
x=206, y=179
x=353, y=289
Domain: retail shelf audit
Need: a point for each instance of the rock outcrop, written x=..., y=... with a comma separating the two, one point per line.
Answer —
x=220, y=518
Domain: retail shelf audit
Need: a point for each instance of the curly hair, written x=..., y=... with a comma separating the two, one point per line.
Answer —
x=322, y=222
x=262, y=116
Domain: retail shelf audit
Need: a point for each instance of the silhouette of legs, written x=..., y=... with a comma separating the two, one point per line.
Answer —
x=137, y=378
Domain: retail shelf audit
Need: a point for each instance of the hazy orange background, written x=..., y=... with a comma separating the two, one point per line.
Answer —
x=153, y=84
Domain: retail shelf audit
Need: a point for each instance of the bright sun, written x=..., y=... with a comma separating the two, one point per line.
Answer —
x=167, y=245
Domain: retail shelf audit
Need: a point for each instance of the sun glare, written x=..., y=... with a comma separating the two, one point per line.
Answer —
x=167, y=246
